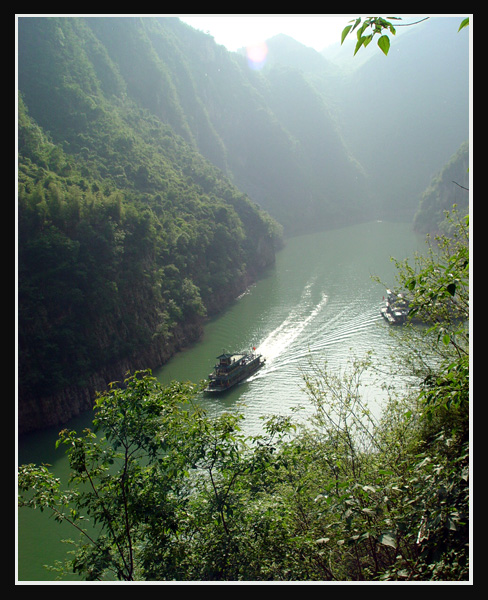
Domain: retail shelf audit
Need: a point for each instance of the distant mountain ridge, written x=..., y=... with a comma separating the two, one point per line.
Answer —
x=412, y=101
x=402, y=116
x=406, y=114
x=264, y=157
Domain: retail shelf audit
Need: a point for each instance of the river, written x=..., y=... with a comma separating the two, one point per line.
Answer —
x=318, y=302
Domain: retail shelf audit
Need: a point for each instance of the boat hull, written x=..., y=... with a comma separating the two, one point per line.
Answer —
x=395, y=308
x=238, y=368
x=394, y=317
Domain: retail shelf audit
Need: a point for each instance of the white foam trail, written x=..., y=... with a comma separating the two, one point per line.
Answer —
x=347, y=330
x=282, y=338
x=278, y=348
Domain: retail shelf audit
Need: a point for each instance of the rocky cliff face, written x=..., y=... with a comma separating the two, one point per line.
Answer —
x=38, y=412
x=448, y=188
x=139, y=139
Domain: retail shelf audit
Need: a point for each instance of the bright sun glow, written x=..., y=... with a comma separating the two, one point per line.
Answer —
x=241, y=31
x=256, y=55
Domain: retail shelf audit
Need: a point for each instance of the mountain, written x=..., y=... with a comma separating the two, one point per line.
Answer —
x=127, y=235
x=449, y=187
x=404, y=115
x=265, y=156
x=157, y=171
x=396, y=120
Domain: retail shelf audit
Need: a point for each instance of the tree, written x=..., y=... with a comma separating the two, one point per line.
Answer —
x=175, y=495
x=164, y=486
x=130, y=482
x=372, y=26
x=172, y=494
x=439, y=287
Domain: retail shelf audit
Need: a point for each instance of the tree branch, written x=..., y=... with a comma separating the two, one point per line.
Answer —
x=461, y=186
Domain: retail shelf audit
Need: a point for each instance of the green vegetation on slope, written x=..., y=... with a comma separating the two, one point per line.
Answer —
x=449, y=187
x=133, y=133
x=125, y=232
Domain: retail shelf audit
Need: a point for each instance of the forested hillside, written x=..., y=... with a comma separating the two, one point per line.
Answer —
x=127, y=236
x=157, y=177
x=449, y=187
x=271, y=131
x=157, y=171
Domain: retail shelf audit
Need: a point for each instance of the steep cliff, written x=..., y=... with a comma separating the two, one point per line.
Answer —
x=157, y=173
x=450, y=186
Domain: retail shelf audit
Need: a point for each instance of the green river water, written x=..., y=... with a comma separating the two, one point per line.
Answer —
x=319, y=301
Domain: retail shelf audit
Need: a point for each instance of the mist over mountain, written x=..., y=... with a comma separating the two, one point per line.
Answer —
x=405, y=115
x=315, y=145
x=157, y=170
x=400, y=116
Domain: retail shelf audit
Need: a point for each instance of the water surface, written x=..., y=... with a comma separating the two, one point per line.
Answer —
x=319, y=302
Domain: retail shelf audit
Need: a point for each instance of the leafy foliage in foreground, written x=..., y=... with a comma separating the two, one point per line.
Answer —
x=176, y=495
x=439, y=284
x=372, y=26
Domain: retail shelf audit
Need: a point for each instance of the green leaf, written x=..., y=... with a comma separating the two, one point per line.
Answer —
x=323, y=540
x=451, y=288
x=368, y=511
x=345, y=31
x=411, y=284
x=387, y=539
x=362, y=29
x=358, y=45
x=358, y=20
x=367, y=39
x=464, y=23
x=384, y=44
x=369, y=488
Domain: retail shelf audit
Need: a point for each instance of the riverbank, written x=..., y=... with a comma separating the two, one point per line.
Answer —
x=35, y=413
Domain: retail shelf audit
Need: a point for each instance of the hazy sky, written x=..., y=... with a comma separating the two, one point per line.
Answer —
x=239, y=31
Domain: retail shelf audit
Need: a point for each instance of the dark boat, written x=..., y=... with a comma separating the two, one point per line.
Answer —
x=395, y=308
x=232, y=369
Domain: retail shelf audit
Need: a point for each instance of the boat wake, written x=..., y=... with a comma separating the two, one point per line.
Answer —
x=312, y=328
x=281, y=339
